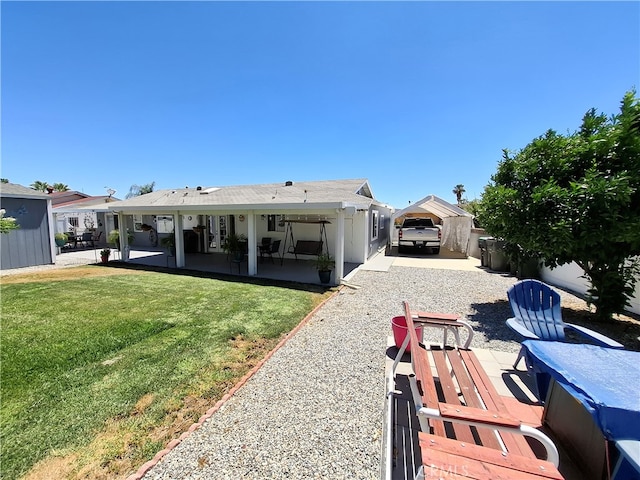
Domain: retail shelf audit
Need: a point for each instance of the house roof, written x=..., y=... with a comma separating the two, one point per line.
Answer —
x=96, y=204
x=18, y=191
x=435, y=205
x=68, y=196
x=285, y=195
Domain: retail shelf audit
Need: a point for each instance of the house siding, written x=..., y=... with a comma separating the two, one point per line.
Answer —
x=383, y=231
x=29, y=245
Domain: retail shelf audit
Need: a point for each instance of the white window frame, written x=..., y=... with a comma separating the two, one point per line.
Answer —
x=375, y=226
x=137, y=223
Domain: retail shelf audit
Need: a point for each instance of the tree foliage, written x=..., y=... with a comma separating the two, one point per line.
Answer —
x=458, y=191
x=137, y=190
x=60, y=187
x=43, y=186
x=576, y=197
x=40, y=186
x=7, y=224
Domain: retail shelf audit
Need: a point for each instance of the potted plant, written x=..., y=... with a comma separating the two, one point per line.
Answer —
x=104, y=254
x=235, y=245
x=324, y=263
x=61, y=239
x=114, y=238
x=169, y=242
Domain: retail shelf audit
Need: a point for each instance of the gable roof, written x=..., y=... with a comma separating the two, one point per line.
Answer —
x=288, y=195
x=435, y=205
x=13, y=190
x=96, y=204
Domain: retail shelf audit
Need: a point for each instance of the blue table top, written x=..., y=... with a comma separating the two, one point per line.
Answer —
x=605, y=380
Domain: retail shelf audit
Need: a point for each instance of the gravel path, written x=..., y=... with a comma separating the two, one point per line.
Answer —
x=315, y=409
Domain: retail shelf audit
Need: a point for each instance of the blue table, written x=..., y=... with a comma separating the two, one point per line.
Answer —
x=605, y=381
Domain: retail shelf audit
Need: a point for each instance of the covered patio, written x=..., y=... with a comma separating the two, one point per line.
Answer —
x=291, y=270
x=337, y=218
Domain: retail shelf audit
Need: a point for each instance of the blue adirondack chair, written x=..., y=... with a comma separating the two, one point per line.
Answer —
x=537, y=315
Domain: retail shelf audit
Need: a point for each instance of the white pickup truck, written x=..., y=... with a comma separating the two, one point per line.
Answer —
x=419, y=233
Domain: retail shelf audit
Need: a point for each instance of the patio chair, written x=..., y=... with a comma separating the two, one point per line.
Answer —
x=265, y=245
x=87, y=239
x=273, y=248
x=537, y=316
x=96, y=238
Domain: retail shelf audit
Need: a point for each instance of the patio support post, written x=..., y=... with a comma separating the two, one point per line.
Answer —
x=123, y=237
x=179, y=236
x=252, y=264
x=339, y=253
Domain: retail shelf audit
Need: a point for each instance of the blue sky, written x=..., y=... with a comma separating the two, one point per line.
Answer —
x=415, y=96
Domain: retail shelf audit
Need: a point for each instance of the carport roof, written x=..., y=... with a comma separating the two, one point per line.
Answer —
x=435, y=205
x=307, y=195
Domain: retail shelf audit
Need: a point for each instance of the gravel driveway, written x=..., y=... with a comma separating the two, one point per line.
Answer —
x=315, y=408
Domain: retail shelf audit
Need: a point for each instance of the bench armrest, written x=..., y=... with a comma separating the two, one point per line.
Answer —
x=500, y=424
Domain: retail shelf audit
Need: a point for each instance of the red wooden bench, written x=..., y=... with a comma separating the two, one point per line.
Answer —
x=467, y=430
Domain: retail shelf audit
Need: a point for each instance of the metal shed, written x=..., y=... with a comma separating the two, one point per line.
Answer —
x=32, y=244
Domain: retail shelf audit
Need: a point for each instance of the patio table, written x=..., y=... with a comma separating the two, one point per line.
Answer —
x=596, y=404
x=603, y=380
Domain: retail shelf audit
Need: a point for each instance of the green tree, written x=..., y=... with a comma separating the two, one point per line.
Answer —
x=137, y=190
x=576, y=197
x=39, y=186
x=4, y=180
x=60, y=187
x=458, y=190
x=7, y=223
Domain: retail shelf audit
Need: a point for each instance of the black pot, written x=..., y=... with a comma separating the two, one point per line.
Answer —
x=325, y=276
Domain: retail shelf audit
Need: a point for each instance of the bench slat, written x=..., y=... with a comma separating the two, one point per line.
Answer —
x=422, y=369
x=462, y=432
x=437, y=316
x=493, y=463
x=478, y=415
x=487, y=437
x=514, y=443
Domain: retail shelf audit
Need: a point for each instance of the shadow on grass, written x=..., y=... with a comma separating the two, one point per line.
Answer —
x=307, y=287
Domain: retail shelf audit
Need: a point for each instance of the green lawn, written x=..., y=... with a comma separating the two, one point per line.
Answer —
x=99, y=372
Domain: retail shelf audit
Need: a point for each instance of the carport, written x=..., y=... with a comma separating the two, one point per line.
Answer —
x=456, y=223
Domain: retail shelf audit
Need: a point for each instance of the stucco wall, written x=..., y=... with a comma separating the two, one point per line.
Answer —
x=569, y=277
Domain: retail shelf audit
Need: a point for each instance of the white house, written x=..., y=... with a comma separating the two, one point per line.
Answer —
x=342, y=214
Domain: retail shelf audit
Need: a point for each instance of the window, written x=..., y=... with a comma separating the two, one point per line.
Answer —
x=137, y=223
x=73, y=221
x=165, y=224
x=275, y=223
x=374, y=224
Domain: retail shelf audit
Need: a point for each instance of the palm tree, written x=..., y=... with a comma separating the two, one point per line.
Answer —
x=137, y=190
x=458, y=191
x=60, y=187
x=39, y=186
